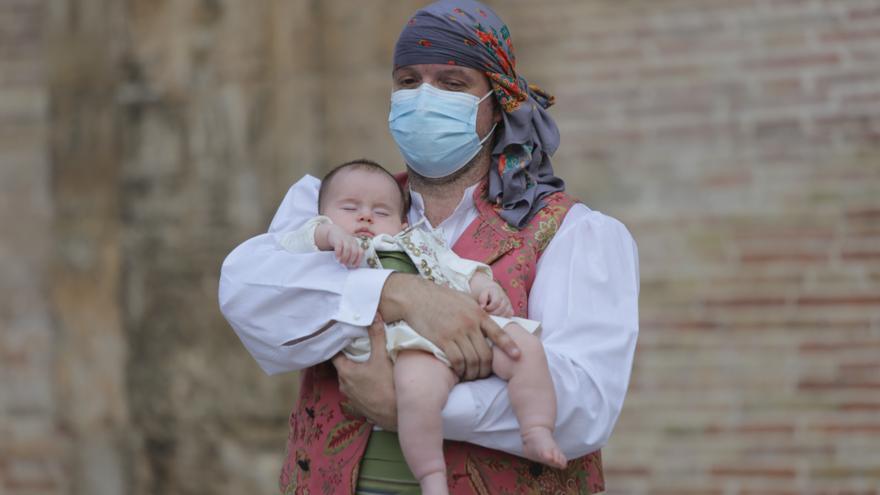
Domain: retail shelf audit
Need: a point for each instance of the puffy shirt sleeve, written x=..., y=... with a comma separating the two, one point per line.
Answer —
x=295, y=308
x=585, y=295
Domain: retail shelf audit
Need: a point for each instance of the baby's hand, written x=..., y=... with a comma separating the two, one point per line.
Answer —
x=495, y=302
x=346, y=246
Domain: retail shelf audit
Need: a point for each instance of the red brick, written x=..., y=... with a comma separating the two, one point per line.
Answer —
x=739, y=302
x=799, y=451
x=614, y=55
x=753, y=280
x=695, y=130
x=715, y=47
x=783, y=86
x=838, y=385
x=767, y=492
x=669, y=108
x=697, y=325
x=863, y=98
x=765, y=428
x=852, y=300
x=803, y=61
x=849, y=125
x=31, y=486
x=772, y=257
x=864, y=13
x=866, y=428
x=863, y=213
x=860, y=255
x=686, y=491
x=784, y=126
x=859, y=368
x=751, y=429
x=753, y=472
x=827, y=82
x=785, y=232
x=863, y=56
x=671, y=71
x=859, y=407
x=790, y=324
x=838, y=346
x=849, y=36
x=619, y=471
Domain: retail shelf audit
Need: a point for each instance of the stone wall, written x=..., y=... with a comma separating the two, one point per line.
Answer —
x=213, y=135
x=740, y=142
x=30, y=453
x=140, y=141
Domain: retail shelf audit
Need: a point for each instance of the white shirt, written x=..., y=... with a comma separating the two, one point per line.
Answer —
x=294, y=310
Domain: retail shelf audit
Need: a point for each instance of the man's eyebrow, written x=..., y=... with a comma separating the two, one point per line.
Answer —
x=403, y=70
x=456, y=71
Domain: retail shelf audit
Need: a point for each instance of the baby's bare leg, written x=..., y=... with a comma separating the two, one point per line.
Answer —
x=422, y=384
x=532, y=396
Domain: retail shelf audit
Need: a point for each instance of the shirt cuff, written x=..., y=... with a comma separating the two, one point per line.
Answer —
x=360, y=296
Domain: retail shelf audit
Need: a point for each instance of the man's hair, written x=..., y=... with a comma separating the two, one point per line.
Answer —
x=370, y=166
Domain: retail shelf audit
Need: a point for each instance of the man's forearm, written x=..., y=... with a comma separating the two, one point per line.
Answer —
x=393, y=301
x=452, y=320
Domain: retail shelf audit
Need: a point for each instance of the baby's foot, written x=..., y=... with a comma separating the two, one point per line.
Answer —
x=539, y=446
x=434, y=484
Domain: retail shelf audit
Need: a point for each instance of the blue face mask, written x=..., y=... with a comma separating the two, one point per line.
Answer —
x=436, y=130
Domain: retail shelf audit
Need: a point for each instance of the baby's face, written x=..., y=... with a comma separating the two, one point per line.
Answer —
x=364, y=203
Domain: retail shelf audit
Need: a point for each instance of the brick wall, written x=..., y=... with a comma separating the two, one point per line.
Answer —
x=739, y=140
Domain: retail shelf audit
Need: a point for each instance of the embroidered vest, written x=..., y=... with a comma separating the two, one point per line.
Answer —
x=327, y=437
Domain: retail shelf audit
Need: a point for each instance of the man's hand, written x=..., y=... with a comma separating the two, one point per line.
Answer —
x=450, y=319
x=370, y=385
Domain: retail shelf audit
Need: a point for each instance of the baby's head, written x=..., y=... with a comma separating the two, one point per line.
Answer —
x=364, y=199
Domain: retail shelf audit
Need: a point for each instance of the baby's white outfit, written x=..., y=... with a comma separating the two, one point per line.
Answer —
x=434, y=261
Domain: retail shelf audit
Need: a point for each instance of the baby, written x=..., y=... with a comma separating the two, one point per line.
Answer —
x=363, y=221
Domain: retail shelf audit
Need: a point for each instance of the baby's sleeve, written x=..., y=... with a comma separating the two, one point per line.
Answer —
x=301, y=240
x=459, y=269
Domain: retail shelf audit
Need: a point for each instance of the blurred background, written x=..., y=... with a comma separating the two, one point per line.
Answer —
x=141, y=140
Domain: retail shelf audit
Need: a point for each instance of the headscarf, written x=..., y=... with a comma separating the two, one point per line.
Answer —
x=469, y=34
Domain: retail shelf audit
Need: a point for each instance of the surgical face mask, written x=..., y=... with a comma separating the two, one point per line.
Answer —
x=436, y=130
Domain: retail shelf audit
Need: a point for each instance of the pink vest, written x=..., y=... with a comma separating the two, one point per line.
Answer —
x=327, y=437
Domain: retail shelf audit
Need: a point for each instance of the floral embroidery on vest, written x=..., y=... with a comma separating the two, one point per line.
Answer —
x=327, y=438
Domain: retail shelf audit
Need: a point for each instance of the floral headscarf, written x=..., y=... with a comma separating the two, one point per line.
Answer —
x=469, y=34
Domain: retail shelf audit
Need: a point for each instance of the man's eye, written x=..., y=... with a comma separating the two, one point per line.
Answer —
x=407, y=82
x=454, y=85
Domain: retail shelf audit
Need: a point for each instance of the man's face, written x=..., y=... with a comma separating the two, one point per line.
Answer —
x=452, y=78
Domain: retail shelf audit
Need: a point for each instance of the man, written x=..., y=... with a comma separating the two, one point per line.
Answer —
x=477, y=143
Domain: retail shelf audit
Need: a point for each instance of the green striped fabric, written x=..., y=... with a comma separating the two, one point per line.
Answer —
x=383, y=468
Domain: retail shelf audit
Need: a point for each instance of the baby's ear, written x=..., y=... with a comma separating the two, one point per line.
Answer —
x=404, y=225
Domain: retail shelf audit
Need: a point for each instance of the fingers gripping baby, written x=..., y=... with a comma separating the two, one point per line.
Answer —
x=363, y=221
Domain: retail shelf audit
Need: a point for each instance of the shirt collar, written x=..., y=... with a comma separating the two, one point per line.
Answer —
x=465, y=206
